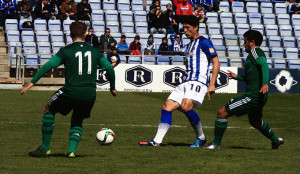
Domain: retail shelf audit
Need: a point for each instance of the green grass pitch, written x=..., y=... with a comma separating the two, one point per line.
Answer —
x=134, y=117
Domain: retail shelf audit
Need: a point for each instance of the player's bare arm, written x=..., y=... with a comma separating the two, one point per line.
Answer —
x=231, y=74
x=26, y=87
x=215, y=71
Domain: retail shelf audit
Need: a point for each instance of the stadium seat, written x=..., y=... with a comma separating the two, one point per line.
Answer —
x=129, y=37
x=202, y=29
x=123, y=59
x=226, y=18
x=44, y=48
x=144, y=37
x=264, y=42
x=280, y=8
x=141, y=27
x=42, y=36
x=212, y=17
x=242, y=28
x=99, y=26
x=228, y=29
x=163, y=60
x=163, y=4
x=297, y=30
x=57, y=36
x=258, y=27
x=283, y=19
x=111, y=15
x=221, y=51
x=13, y=46
x=241, y=40
x=126, y=16
x=289, y=41
x=95, y=5
x=280, y=63
x=123, y=5
x=266, y=7
x=149, y=60
x=298, y=41
x=266, y=50
x=233, y=51
x=108, y=5
x=237, y=7
x=240, y=18
x=231, y=40
x=40, y=25
x=29, y=47
x=157, y=38
x=127, y=27
x=11, y=24
x=277, y=52
x=295, y=19
x=225, y=6
x=66, y=25
x=270, y=63
x=44, y=58
x=185, y=40
x=148, y=4
x=32, y=60
x=217, y=39
x=271, y=30
x=252, y=7
x=116, y=36
x=137, y=5
x=97, y=15
x=294, y=63
x=56, y=46
x=214, y=28
x=254, y=18
x=269, y=18
x=274, y=41
x=54, y=25
x=224, y=62
x=291, y=53
x=21, y=22
x=13, y=60
x=13, y=35
x=140, y=16
x=68, y=38
x=177, y=61
x=113, y=26
x=134, y=60
x=285, y=30
x=27, y=36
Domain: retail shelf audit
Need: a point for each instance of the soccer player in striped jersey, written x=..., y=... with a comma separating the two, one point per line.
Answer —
x=191, y=93
x=253, y=101
x=79, y=93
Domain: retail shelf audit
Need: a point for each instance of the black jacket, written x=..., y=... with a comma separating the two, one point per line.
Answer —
x=92, y=40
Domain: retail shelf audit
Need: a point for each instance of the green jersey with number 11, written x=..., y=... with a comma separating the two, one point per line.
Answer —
x=80, y=61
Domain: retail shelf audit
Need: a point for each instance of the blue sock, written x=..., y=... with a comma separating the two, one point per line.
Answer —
x=163, y=126
x=195, y=122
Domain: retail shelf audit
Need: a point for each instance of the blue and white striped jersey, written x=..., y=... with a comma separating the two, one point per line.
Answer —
x=198, y=55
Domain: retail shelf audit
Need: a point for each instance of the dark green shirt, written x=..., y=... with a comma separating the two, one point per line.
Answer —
x=80, y=61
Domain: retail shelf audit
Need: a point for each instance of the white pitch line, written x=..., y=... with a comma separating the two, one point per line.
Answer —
x=133, y=125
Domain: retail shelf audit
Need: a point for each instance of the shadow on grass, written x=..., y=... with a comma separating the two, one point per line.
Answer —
x=176, y=144
x=247, y=148
x=65, y=156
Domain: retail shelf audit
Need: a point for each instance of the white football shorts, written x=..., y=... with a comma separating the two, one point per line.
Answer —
x=193, y=90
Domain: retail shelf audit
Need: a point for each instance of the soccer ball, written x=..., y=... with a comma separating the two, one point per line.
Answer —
x=105, y=136
x=113, y=59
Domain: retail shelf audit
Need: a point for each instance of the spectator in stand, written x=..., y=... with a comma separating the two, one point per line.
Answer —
x=113, y=57
x=172, y=24
x=68, y=10
x=168, y=7
x=155, y=3
x=199, y=13
x=295, y=9
x=194, y=3
x=84, y=11
x=184, y=9
x=135, y=46
x=150, y=46
x=175, y=4
x=24, y=9
x=107, y=41
x=91, y=38
x=123, y=46
x=211, y=5
x=42, y=10
x=176, y=44
x=8, y=11
x=164, y=48
x=54, y=9
x=158, y=19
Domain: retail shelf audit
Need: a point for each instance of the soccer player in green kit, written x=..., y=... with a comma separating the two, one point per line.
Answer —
x=79, y=92
x=253, y=101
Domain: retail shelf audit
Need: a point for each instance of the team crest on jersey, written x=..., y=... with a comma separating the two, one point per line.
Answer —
x=211, y=50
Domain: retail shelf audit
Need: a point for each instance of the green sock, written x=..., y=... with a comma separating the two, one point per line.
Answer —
x=47, y=130
x=74, y=138
x=220, y=127
x=267, y=132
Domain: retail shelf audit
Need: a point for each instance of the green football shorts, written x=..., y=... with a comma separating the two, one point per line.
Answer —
x=63, y=104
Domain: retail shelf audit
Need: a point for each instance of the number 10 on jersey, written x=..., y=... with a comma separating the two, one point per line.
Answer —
x=87, y=54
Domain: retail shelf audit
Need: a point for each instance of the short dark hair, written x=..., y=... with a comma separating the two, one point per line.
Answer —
x=137, y=37
x=164, y=38
x=150, y=36
x=77, y=29
x=113, y=48
x=123, y=36
x=254, y=35
x=191, y=20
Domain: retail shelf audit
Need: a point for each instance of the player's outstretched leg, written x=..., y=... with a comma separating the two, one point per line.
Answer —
x=220, y=127
x=270, y=134
x=74, y=138
x=196, y=124
x=47, y=130
x=163, y=127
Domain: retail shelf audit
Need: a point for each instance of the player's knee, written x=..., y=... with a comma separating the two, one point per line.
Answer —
x=185, y=108
x=255, y=124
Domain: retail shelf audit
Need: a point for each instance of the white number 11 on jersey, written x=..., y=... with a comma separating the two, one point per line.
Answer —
x=87, y=54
